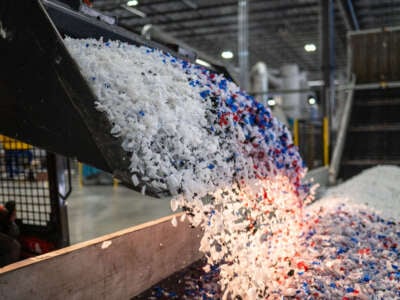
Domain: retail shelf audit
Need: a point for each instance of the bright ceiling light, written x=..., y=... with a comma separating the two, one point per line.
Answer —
x=310, y=47
x=312, y=100
x=132, y=3
x=271, y=102
x=203, y=63
x=227, y=54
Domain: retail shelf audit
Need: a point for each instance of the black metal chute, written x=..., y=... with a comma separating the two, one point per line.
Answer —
x=45, y=101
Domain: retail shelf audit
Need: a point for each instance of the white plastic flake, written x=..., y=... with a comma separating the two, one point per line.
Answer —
x=235, y=171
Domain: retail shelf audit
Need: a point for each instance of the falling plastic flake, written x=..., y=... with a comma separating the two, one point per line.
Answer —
x=188, y=129
x=194, y=132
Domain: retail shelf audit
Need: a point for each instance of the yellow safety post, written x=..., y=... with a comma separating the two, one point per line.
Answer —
x=296, y=132
x=115, y=183
x=326, y=140
x=80, y=174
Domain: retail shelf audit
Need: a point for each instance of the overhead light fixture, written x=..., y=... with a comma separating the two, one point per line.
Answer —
x=203, y=63
x=271, y=102
x=310, y=47
x=134, y=11
x=132, y=3
x=312, y=100
x=227, y=54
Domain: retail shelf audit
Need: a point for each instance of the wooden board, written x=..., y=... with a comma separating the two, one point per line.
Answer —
x=135, y=259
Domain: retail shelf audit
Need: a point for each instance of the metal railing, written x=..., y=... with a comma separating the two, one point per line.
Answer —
x=341, y=135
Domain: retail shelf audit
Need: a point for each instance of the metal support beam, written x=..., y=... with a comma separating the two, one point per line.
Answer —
x=58, y=195
x=328, y=68
x=328, y=53
x=344, y=15
x=353, y=14
x=243, y=43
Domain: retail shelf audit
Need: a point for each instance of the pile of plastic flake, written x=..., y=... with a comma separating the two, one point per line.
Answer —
x=346, y=252
x=377, y=187
x=188, y=130
x=193, y=132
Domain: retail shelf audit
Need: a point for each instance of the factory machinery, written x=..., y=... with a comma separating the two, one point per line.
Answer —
x=369, y=132
x=46, y=102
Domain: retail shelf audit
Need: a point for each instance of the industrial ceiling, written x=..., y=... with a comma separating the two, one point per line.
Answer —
x=278, y=29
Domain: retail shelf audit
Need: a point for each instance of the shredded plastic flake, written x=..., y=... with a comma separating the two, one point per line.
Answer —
x=235, y=170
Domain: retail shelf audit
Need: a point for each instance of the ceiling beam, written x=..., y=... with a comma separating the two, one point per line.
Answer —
x=113, y=4
x=254, y=20
x=270, y=11
x=297, y=24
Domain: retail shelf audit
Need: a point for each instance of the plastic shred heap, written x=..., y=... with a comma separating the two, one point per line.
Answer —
x=238, y=175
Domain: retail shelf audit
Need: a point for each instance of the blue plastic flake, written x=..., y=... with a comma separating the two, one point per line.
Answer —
x=204, y=94
x=141, y=112
x=234, y=108
x=341, y=250
x=300, y=273
x=87, y=45
x=230, y=101
x=159, y=291
x=332, y=285
x=310, y=233
x=223, y=84
x=306, y=288
x=184, y=64
x=354, y=240
x=107, y=44
x=93, y=78
x=349, y=290
x=366, y=278
x=211, y=166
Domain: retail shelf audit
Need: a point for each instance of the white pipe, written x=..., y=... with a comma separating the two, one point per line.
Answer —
x=243, y=43
x=259, y=81
x=291, y=81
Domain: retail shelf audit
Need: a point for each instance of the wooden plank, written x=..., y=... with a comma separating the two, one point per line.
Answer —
x=134, y=260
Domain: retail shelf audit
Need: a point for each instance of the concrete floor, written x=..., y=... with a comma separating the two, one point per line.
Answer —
x=97, y=210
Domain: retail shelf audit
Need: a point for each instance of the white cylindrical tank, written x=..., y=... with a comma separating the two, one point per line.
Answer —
x=259, y=81
x=291, y=81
